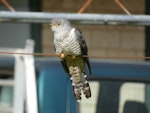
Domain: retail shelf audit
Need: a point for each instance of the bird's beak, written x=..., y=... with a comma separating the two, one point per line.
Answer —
x=52, y=25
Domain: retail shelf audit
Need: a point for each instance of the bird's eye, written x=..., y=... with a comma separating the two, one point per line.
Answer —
x=58, y=24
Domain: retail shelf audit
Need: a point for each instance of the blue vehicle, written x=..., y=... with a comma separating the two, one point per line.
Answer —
x=117, y=86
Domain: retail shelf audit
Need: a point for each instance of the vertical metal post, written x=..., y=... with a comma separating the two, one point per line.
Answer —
x=147, y=53
x=35, y=5
x=19, y=87
x=147, y=31
x=31, y=86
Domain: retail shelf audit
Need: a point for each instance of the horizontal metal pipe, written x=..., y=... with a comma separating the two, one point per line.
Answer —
x=101, y=19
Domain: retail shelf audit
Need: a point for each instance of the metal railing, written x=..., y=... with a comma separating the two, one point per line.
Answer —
x=101, y=19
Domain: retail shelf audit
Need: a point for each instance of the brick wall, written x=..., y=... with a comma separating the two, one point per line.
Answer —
x=101, y=40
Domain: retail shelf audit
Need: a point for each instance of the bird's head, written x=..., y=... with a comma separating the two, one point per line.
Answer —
x=60, y=24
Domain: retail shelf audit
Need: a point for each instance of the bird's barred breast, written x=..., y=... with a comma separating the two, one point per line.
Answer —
x=69, y=44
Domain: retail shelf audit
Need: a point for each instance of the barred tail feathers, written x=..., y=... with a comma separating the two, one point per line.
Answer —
x=79, y=83
x=86, y=87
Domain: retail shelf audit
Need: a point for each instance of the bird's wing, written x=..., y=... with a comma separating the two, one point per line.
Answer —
x=83, y=46
x=64, y=65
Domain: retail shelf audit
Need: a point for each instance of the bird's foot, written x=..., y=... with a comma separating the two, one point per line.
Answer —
x=73, y=57
x=62, y=55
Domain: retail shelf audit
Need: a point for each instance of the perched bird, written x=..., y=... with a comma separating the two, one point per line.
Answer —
x=70, y=44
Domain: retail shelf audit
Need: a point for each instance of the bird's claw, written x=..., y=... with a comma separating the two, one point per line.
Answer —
x=62, y=55
x=73, y=57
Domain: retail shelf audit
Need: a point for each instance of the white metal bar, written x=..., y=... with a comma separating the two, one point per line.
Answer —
x=17, y=82
x=24, y=69
x=6, y=82
x=31, y=89
x=5, y=110
x=103, y=19
x=19, y=86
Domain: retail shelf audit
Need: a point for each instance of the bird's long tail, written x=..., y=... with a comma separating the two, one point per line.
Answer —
x=79, y=83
